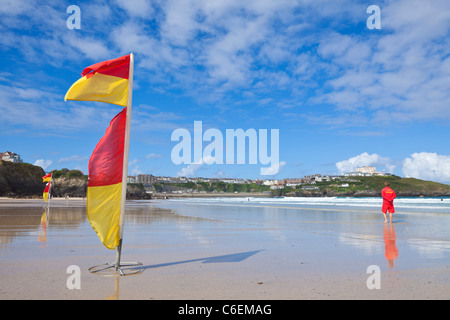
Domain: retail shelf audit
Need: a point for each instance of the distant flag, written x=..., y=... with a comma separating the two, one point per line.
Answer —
x=46, y=191
x=105, y=81
x=111, y=82
x=47, y=188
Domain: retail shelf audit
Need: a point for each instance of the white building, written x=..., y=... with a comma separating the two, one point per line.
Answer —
x=10, y=156
x=357, y=174
x=270, y=182
x=322, y=178
x=371, y=170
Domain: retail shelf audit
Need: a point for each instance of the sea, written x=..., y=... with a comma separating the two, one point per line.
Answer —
x=406, y=205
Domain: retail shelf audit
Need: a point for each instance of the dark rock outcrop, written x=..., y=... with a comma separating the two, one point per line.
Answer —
x=20, y=180
x=77, y=187
x=70, y=187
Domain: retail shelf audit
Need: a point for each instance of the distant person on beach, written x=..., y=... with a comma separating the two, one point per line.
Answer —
x=388, y=196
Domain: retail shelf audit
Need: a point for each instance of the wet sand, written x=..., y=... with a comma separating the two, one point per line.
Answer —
x=223, y=251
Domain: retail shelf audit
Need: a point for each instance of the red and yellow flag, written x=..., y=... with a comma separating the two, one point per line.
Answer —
x=104, y=192
x=46, y=178
x=105, y=81
x=111, y=82
x=46, y=191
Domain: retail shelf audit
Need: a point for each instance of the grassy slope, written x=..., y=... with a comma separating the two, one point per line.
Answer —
x=402, y=184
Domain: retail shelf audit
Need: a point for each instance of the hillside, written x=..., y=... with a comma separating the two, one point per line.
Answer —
x=372, y=186
x=20, y=180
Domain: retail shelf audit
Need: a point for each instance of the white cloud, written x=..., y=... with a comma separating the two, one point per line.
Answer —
x=427, y=166
x=92, y=48
x=420, y=165
x=179, y=25
x=273, y=169
x=397, y=74
x=137, y=8
x=365, y=159
x=44, y=164
x=191, y=169
x=209, y=48
x=21, y=106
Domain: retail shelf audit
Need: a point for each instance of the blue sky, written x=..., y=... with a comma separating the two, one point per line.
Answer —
x=340, y=94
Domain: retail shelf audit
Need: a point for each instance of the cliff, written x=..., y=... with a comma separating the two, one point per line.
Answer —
x=20, y=180
x=71, y=187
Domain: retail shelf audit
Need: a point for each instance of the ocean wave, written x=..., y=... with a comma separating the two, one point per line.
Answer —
x=407, y=203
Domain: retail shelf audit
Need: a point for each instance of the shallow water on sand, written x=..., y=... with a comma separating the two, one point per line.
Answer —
x=230, y=241
x=414, y=238
x=418, y=238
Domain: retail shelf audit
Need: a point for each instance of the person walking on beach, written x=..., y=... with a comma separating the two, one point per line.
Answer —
x=388, y=196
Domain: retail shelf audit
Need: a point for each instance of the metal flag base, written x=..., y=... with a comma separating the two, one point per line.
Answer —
x=123, y=269
x=117, y=268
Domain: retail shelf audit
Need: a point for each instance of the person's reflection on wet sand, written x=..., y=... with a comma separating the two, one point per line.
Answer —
x=390, y=248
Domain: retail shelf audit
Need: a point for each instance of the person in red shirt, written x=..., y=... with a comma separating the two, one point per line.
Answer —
x=388, y=201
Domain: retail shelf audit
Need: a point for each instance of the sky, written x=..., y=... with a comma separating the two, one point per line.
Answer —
x=341, y=95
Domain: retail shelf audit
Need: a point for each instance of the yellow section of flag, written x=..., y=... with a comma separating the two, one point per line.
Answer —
x=100, y=87
x=45, y=196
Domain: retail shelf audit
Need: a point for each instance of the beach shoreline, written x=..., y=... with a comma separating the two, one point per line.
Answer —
x=188, y=255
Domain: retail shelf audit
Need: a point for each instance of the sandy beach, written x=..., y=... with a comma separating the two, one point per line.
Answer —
x=219, y=250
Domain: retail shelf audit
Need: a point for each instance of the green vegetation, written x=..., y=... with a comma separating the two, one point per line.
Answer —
x=376, y=183
x=219, y=186
x=372, y=186
x=69, y=174
x=350, y=186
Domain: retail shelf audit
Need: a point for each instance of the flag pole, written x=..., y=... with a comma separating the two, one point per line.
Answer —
x=50, y=191
x=125, y=161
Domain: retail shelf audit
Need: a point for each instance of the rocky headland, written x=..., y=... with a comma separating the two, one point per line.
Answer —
x=24, y=180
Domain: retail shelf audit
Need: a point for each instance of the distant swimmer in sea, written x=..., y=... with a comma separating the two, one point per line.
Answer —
x=388, y=196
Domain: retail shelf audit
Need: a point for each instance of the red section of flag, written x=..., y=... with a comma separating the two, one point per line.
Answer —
x=119, y=67
x=106, y=162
